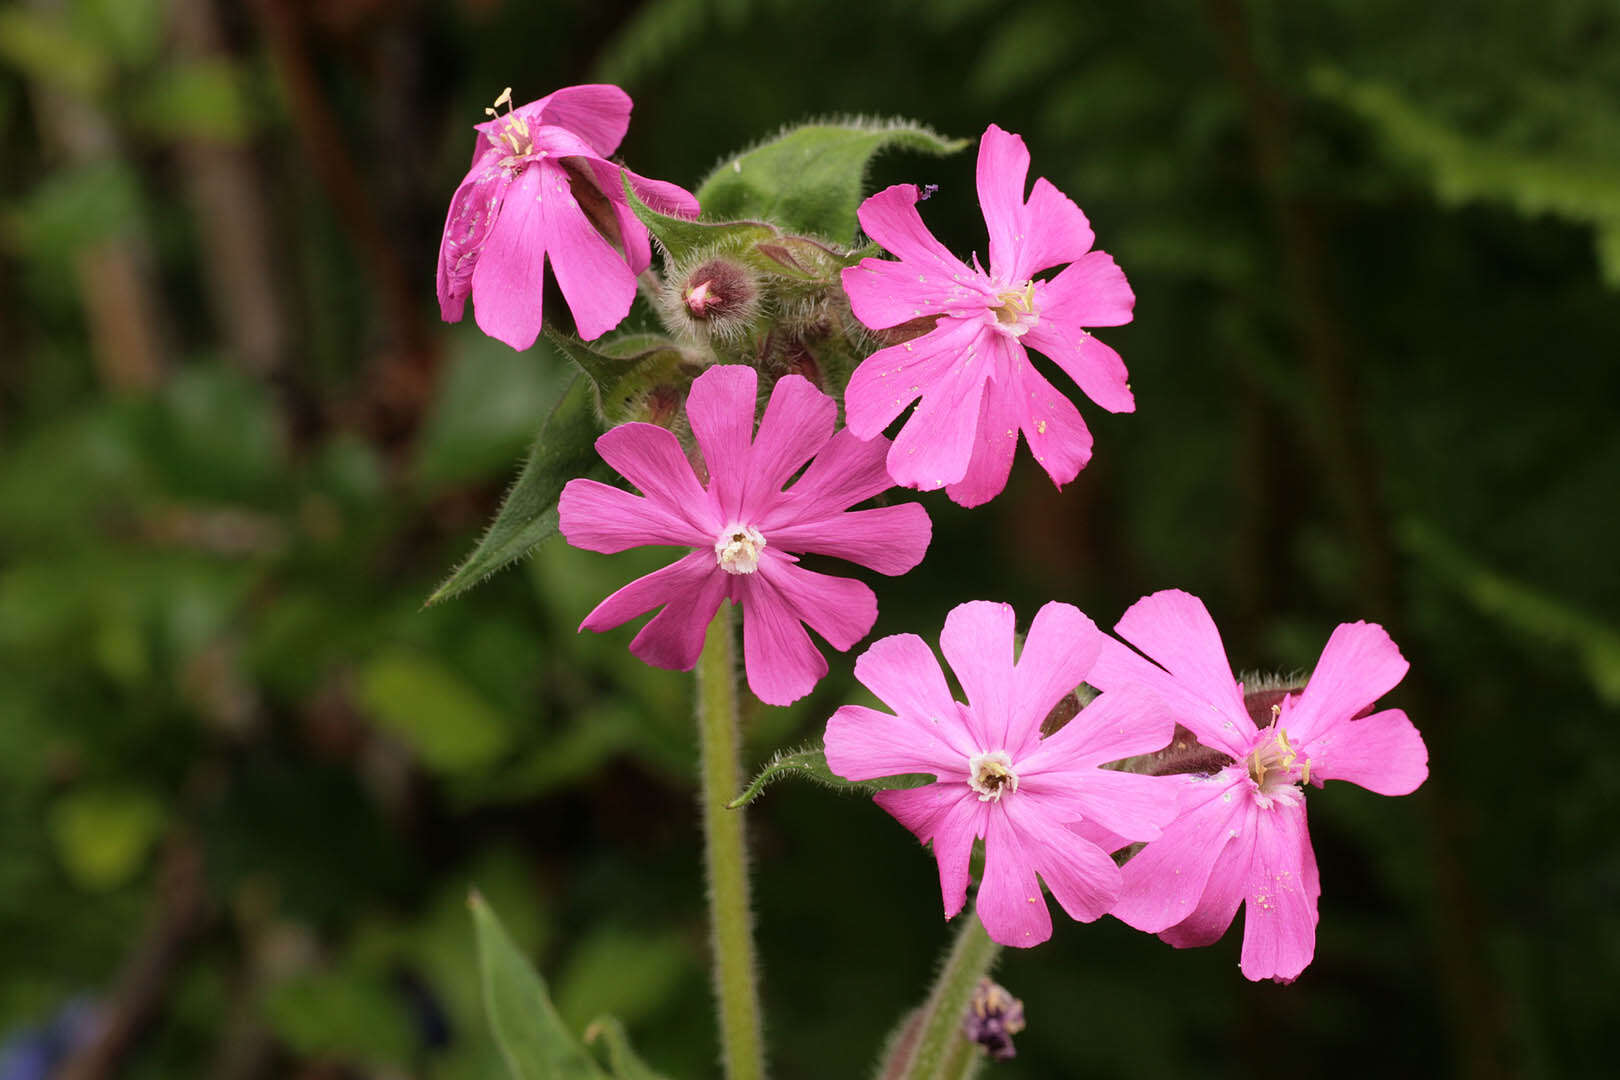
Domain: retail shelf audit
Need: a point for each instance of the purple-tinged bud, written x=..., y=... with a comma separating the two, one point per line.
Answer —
x=993, y=1018
x=720, y=297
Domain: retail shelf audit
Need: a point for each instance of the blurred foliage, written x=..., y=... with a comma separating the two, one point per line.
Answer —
x=211, y=626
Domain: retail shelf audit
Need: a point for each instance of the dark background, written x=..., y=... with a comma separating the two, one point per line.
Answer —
x=245, y=781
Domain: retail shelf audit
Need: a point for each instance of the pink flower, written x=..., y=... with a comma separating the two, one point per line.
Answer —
x=1240, y=835
x=977, y=385
x=996, y=777
x=743, y=528
x=520, y=205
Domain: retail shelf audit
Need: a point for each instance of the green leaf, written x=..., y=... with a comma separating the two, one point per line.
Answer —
x=442, y=719
x=810, y=763
x=637, y=377
x=622, y=1059
x=683, y=238
x=103, y=834
x=485, y=412
x=531, y=1035
x=810, y=179
x=528, y=515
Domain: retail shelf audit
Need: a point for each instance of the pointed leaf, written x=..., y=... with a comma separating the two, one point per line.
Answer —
x=683, y=238
x=623, y=1060
x=565, y=449
x=631, y=385
x=526, y=1026
x=810, y=763
x=810, y=179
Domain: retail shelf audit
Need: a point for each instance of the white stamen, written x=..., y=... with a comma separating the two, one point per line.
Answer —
x=991, y=775
x=737, y=549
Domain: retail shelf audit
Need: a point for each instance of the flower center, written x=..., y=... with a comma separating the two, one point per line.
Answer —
x=514, y=139
x=991, y=775
x=737, y=549
x=1015, y=313
x=1276, y=767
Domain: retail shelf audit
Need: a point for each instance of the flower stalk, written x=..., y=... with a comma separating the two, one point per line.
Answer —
x=731, y=922
x=940, y=1045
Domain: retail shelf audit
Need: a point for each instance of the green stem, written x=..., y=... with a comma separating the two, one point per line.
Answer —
x=940, y=1037
x=731, y=921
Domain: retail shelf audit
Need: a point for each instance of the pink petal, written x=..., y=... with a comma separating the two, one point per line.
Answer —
x=1092, y=291
x=599, y=113
x=1059, y=649
x=848, y=470
x=995, y=442
x=781, y=662
x=720, y=407
x=1164, y=881
x=1010, y=903
x=1383, y=753
x=1174, y=629
x=840, y=609
x=1054, y=231
x=651, y=458
x=1084, y=881
x=890, y=217
x=1095, y=367
x=888, y=539
x=1125, y=804
x=798, y=421
x=1120, y=669
x=1223, y=892
x=883, y=293
x=1279, y=919
x=473, y=211
x=690, y=592
x=1052, y=426
x=936, y=444
x=892, y=378
x=1121, y=723
x=865, y=744
x=978, y=644
x=1002, y=170
x=1359, y=665
x=597, y=517
x=664, y=197
x=593, y=277
x=949, y=815
x=509, y=278
x=902, y=671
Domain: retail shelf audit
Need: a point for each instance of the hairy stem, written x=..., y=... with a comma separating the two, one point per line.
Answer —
x=731, y=923
x=940, y=1045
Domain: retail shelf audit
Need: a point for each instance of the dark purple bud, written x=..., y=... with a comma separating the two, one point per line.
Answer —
x=993, y=1018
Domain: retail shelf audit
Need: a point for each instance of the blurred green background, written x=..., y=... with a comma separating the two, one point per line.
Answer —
x=246, y=781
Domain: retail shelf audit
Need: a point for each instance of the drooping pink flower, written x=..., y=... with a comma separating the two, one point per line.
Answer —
x=744, y=529
x=977, y=387
x=541, y=189
x=995, y=776
x=1240, y=836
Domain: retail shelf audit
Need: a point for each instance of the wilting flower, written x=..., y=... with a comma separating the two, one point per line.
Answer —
x=1240, y=836
x=744, y=529
x=541, y=189
x=976, y=384
x=995, y=776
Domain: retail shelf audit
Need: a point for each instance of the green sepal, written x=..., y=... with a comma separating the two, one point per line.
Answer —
x=628, y=373
x=622, y=1059
x=683, y=238
x=810, y=179
x=530, y=1034
x=564, y=450
x=810, y=763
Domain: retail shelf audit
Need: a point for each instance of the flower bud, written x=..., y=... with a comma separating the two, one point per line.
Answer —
x=993, y=1018
x=719, y=298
